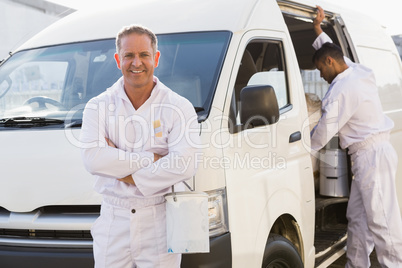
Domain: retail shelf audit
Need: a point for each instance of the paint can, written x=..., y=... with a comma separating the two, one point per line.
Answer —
x=187, y=222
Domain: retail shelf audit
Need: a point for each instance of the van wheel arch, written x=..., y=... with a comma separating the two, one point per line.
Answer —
x=280, y=252
x=287, y=227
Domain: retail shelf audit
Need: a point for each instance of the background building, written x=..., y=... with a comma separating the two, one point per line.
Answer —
x=21, y=19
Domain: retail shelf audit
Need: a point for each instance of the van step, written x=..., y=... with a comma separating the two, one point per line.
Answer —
x=330, y=227
x=326, y=245
x=325, y=239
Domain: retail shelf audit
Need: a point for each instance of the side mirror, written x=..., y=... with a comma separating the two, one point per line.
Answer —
x=258, y=106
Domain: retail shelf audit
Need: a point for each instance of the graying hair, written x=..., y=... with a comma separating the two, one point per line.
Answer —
x=137, y=29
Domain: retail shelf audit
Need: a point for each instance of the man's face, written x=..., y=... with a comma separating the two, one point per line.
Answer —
x=327, y=69
x=137, y=60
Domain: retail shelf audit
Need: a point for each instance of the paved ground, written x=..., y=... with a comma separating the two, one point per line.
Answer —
x=342, y=261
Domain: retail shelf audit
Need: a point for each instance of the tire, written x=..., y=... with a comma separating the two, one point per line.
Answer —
x=281, y=253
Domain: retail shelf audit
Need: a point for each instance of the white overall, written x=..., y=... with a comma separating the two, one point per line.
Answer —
x=352, y=109
x=373, y=213
x=131, y=231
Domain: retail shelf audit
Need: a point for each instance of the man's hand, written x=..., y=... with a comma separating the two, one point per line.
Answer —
x=157, y=157
x=110, y=143
x=127, y=179
x=318, y=20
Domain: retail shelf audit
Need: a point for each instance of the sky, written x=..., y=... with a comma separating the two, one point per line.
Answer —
x=387, y=12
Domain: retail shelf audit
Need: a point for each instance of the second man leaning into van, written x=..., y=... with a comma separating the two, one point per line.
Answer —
x=352, y=108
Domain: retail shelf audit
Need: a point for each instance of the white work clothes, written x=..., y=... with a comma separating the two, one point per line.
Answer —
x=135, y=235
x=374, y=219
x=166, y=124
x=352, y=108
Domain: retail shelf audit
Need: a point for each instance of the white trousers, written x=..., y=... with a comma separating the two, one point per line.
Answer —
x=373, y=214
x=132, y=234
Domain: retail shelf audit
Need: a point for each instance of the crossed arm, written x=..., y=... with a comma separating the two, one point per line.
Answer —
x=129, y=179
x=102, y=158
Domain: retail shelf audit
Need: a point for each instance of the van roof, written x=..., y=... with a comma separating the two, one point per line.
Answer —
x=162, y=17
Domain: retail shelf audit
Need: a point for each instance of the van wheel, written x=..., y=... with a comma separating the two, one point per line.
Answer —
x=281, y=253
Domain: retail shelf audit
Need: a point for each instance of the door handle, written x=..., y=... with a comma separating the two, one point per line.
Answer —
x=295, y=137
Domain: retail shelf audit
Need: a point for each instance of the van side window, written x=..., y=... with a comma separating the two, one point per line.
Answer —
x=262, y=64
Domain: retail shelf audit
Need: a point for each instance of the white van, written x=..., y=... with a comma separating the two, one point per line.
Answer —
x=256, y=167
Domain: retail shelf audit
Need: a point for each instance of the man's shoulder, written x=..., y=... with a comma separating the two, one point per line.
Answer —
x=357, y=84
x=362, y=76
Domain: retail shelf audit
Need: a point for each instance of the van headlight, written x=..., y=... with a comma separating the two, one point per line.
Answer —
x=217, y=212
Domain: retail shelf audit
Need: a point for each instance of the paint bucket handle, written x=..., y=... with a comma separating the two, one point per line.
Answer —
x=174, y=193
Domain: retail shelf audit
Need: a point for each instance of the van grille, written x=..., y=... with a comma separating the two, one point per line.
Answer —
x=59, y=217
x=60, y=234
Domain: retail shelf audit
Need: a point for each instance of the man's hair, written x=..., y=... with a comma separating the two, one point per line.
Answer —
x=328, y=49
x=137, y=29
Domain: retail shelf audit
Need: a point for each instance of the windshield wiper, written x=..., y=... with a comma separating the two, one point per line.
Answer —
x=73, y=124
x=27, y=122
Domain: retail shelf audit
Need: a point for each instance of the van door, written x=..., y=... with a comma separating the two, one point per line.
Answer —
x=269, y=172
x=363, y=41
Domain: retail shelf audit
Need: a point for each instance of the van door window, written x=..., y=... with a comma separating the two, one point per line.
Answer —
x=262, y=64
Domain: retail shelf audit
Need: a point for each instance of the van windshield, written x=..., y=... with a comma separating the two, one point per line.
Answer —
x=56, y=82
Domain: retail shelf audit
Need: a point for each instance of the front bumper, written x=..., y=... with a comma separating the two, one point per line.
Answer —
x=220, y=255
x=19, y=257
